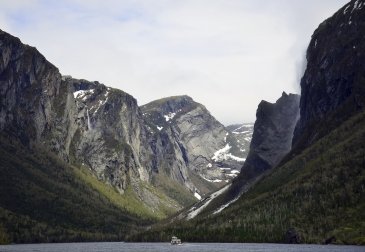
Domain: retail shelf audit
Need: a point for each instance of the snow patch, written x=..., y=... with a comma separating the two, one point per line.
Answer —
x=209, y=165
x=193, y=212
x=238, y=128
x=223, y=154
x=241, y=132
x=238, y=159
x=212, y=181
x=197, y=195
x=169, y=116
x=345, y=10
x=220, y=209
x=82, y=94
x=235, y=171
x=159, y=128
x=236, y=131
x=102, y=101
x=356, y=6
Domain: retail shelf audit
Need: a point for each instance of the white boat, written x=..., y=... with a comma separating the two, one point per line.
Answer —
x=175, y=241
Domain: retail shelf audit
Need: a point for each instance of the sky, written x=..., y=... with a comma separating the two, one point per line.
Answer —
x=226, y=54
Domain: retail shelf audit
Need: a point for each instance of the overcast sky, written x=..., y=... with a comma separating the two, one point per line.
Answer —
x=226, y=54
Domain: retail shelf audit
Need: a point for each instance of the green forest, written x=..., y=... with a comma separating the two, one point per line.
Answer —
x=43, y=199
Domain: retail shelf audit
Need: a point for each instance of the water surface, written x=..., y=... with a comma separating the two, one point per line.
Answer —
x=166, y=247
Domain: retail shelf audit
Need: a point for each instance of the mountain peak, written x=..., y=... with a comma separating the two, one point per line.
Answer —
x=332, y=84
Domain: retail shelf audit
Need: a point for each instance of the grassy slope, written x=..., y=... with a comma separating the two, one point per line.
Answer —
x=43, y=199
x=173, y=190
x=321, y=193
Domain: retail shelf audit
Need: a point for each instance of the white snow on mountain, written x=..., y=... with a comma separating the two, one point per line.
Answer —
x=197, y=195
x=82, y=94
x=223, y=154
x=195, y=211
x=169, y=116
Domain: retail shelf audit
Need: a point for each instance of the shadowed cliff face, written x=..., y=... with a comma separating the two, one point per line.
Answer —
x=333, y=85
x=28, y=87
x=272, y=135
x=82, y=122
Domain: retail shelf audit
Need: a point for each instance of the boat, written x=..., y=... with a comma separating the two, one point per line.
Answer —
x=175, y=241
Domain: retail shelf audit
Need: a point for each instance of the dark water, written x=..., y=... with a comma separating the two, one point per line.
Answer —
x=166, y=247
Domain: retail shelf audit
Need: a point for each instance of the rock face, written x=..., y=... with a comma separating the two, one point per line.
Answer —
x=333, y=85
x=103, y=129
x=271, y=141
x=188, y=124
x=240, y=138
x=109, y=134
x=272, y=135
x=84, y=123
x=29, y=85
x=194, y=142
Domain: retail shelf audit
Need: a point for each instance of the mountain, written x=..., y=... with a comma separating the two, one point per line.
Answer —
x=128, y=165
x=271, y=141
x=333, y=82
x=238, y=140
x=272, y=135
x=241, y=138
x=201, y=143
x=315, y=194
x=60, y=138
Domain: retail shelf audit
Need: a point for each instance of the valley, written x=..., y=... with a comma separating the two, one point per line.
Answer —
x=81, y=161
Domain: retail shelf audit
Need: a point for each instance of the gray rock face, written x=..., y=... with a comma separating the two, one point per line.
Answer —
x=84, y=123
x=198, y=140
x=88, y=124
x=110, y=134
x=272, y=135
x=193, y=134
x=333, y=83
x=28, y=87
x=240, y=136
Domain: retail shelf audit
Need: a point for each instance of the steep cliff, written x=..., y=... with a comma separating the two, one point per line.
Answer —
x=333, y=83
x=29, y=85
x=69, y=116
x=271, y=141
x=272, y=134
x=198, y=144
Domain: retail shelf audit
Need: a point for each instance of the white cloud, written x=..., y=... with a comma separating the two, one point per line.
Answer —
x=228, y=55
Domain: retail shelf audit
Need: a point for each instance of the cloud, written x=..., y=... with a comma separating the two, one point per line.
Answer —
x=227, y=55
